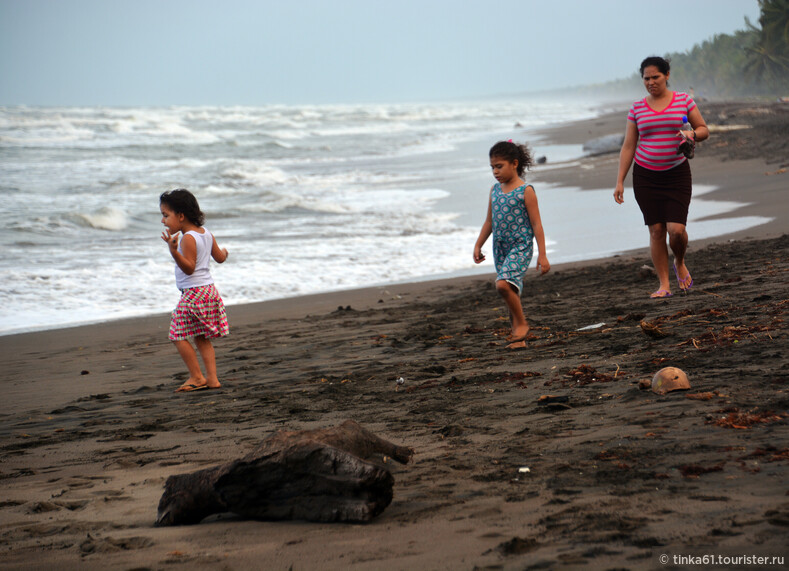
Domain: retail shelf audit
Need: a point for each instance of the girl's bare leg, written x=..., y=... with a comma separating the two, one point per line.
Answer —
x=189, y=356
x=520, y=328
x=659, y=251
x=206, y=349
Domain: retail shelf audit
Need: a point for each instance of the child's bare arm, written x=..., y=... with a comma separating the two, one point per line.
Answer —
x=187, y=257
x=484, y=234
x=219, y=254
x=530, y=198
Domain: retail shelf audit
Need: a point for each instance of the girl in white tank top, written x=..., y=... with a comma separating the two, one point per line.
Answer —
x=200, y=313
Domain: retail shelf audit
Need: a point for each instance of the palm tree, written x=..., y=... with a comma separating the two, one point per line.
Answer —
x=768, y=57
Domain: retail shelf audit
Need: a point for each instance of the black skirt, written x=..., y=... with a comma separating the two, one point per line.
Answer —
x=663, y=196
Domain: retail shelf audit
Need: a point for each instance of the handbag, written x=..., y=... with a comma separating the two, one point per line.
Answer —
x=687, y=148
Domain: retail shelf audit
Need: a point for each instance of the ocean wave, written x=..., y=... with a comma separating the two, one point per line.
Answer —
x=255, y=173
x=107, y=218
x=342, y=200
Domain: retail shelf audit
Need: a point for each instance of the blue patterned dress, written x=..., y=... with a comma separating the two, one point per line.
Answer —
x=513, y=237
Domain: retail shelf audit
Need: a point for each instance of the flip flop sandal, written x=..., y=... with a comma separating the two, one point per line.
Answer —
x=190, y=388
x=657, y=295
x=681, y=282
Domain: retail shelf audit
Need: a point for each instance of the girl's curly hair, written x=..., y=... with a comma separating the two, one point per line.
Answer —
x=512, y=152
x=181, y=201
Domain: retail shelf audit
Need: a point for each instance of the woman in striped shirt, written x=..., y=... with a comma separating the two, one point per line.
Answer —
x=661, y=175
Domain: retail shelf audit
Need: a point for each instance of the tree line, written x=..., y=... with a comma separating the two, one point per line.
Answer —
x=754, y=61
x=749, y=62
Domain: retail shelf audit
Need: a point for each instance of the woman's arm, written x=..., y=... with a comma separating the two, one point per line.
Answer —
x=626, y=159
x=484, y=234
x=530, y=198
x=699, y=126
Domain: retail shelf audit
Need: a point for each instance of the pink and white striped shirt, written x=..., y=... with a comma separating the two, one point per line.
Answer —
x=658, y=137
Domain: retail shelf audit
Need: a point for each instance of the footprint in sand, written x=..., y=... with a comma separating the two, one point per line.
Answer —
x=81, y=482
x=113, y=545
x=44, y=507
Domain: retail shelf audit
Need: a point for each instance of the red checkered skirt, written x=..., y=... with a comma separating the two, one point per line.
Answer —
x=199, y=312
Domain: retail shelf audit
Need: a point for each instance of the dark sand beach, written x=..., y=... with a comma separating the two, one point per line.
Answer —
x=606, y=475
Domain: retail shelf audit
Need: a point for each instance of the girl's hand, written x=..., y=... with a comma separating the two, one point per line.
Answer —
x=171, y=239
x=688, y=135
x=619, y=193
x=543, y=264
x=479, y=257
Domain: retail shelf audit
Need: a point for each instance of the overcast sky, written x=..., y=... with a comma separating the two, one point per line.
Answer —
x=251, y=52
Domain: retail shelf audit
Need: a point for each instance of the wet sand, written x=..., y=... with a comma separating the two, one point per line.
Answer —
x=604, y=475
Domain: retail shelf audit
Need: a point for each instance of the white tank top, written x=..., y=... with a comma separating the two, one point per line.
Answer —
x=202, y=275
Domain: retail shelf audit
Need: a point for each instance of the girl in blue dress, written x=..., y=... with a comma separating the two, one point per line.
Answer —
x=514, y=220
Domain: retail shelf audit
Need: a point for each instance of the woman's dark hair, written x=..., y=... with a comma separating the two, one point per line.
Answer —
x=662, y=64
x=181, y=201
x=512, y=152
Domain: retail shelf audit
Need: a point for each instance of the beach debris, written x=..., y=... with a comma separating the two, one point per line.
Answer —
x=729, y=335
x=603, y=145
x=768, y=454
x=670, y=379
x=651, y=329
x=693, y=471
x=631, y=317
x=593, y=326
x=714, y=128
x=472, y=330
x=645, y=384
x=550, y=399
x=617, y=458
x=84, y=372
x=450, y=430
x=542, y=160
x=646, y=272
x=321, y=475
x=554, y=403
x=585, y=374
x=518, y=546
x=744, y=420
x=521, y=471
x=399, y=383
x=703, y=396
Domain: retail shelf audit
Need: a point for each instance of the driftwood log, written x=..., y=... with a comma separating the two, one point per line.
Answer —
x=314, y=475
